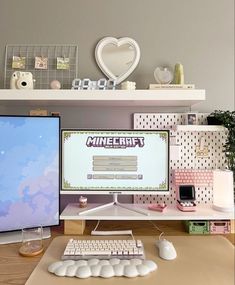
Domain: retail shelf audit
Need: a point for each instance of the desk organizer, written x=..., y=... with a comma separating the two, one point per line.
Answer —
x=220, y=227
x=197, y=227
x=208, y=227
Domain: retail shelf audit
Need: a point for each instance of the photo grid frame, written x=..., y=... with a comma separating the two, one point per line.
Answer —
x=44, y=62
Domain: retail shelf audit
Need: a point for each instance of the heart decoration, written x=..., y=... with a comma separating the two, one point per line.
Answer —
x=163, y=75
x=116, y=57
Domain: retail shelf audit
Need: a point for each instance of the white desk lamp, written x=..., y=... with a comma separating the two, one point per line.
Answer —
x=223, y=196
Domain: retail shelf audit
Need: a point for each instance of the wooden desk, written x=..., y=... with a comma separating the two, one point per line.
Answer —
x=15, y=269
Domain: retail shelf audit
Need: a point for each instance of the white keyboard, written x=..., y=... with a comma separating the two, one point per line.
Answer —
x=103, y=249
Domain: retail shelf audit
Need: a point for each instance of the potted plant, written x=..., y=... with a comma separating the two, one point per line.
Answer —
x=227, y=119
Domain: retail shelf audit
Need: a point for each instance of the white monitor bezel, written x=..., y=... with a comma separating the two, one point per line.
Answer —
x=105, y=192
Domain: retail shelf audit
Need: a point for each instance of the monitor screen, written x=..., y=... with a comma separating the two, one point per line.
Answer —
x=29, y=172
x=126, y=161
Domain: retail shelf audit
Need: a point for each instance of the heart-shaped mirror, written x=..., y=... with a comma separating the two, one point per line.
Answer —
x=117, y=58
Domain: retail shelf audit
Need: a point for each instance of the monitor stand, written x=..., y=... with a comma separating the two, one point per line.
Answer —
x=16, y=236
x=116, y=204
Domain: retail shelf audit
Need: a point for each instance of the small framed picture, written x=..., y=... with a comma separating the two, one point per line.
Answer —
x=18, y=62
x=191, y=118
x=41, y=62
x=62, y=63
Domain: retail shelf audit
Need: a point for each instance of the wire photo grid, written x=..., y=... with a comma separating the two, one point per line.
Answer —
x=42, y=76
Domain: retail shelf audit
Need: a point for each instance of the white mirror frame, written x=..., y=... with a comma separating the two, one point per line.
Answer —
x=118, y=42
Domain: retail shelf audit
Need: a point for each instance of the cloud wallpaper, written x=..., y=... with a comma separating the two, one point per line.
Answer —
x=29, y=172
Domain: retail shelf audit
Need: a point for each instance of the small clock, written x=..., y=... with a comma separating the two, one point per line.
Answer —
x=87, y=84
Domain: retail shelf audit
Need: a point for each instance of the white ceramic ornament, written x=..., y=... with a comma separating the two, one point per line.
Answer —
x=163, y=75
x=55, y=84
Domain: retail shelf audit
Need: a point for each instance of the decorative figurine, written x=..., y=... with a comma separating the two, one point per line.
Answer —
x=55, y=84
x=82, y=202
x=179, y=74
x=163, y=75
x=128, y=85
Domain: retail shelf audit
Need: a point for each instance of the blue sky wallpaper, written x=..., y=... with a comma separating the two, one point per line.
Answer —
x=29, y=172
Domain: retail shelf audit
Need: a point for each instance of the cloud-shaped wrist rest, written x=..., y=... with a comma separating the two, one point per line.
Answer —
x=102, y=268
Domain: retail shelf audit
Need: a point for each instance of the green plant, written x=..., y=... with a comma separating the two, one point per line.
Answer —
x=227, y=119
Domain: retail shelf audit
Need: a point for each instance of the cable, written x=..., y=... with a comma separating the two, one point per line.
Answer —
x=151, y=222
x=98, y=222
x=108, y=232
x=132, y=236
x=161, y=234
x=156, y=227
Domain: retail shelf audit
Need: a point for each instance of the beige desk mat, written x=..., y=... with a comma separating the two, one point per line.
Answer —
x=201, y=260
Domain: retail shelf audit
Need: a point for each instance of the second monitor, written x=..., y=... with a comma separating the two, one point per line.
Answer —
x=115, y=161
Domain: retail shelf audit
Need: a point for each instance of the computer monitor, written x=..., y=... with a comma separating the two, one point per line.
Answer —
x=115, y=161
x=29, y=173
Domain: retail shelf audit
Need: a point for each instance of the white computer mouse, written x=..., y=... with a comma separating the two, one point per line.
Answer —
x=166, y=249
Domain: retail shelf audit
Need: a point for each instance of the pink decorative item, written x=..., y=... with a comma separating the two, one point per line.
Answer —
x=196, y=177
x=55, y=84
x=157, y=207
x=83, y=202
x=186, y=198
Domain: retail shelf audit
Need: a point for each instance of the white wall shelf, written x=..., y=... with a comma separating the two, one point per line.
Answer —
x=198, y=128
x=204, y=212
x=173, y=98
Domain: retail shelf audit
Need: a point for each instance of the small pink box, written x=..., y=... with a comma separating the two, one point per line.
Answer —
x=157, y=207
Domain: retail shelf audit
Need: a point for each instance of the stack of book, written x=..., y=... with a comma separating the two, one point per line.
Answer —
x=171, y=86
